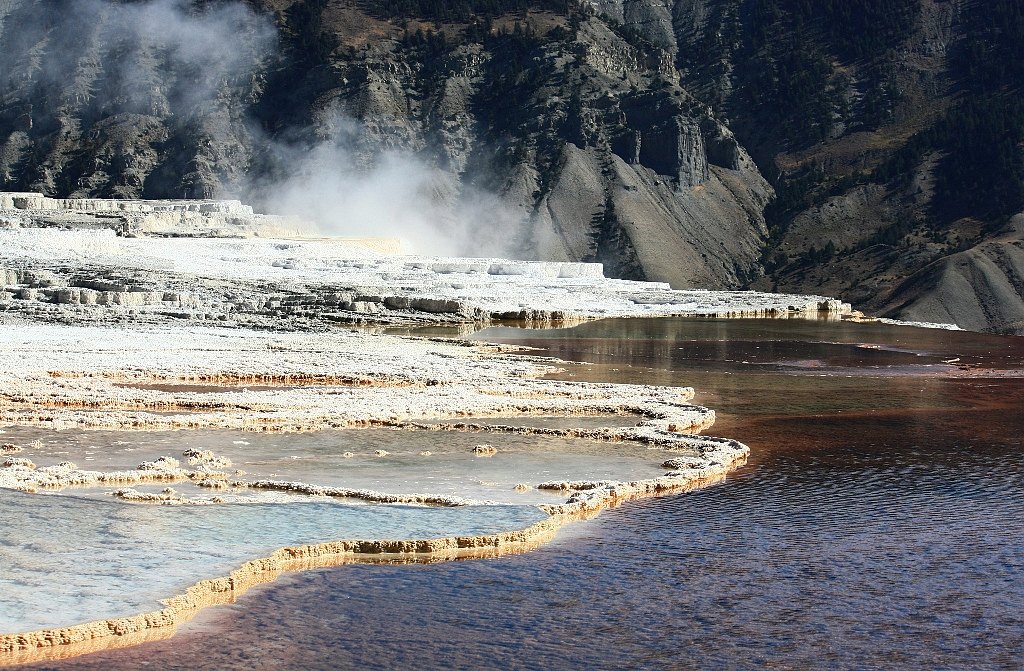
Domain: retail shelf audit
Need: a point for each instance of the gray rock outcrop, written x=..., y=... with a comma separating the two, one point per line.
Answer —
x=981, y=288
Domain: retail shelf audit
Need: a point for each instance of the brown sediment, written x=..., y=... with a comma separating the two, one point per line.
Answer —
x=985, y=372
x=64, y=642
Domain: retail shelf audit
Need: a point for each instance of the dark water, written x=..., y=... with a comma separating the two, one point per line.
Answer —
x=878, y=524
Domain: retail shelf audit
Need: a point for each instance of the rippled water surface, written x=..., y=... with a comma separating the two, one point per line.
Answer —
x=66, y=560
x=878, y=524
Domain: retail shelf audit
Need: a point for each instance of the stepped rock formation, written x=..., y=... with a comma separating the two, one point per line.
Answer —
x=176, y=218
x=75, y=261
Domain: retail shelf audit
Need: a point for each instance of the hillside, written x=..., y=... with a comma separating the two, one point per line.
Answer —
x=863, y=149
x=892, y=132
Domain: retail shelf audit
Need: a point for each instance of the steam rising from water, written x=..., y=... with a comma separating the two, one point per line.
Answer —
x=394, y=194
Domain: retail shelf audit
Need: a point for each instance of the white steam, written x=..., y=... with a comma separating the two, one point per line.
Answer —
x=208, y=47
x=396, y=194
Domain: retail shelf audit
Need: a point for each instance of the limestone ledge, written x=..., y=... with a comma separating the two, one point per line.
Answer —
x=302, y=381
x=17, y=648
x=237, y=358
x=662, y=417
x=23, y=475
x=349, y=493
x=167, y=496
x=59, y=643
x=326, y=381
x=83, y=276
x=31, y=201
x=178, y=218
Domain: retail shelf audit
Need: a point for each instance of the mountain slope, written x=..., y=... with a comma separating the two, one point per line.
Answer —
x=593, y=151
x=892, y=131
x=834, y=146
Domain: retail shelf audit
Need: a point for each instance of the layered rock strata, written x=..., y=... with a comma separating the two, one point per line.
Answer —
x=173, y=218
x=68, y=272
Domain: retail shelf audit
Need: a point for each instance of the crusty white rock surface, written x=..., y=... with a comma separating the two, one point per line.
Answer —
x=73, y=275
x=62, y=376
x=178, y=218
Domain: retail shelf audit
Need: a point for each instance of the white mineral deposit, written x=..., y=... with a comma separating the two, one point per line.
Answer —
x=151, y=347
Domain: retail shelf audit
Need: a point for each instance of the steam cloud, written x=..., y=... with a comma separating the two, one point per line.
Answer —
x=396, y=195
x=176, y=59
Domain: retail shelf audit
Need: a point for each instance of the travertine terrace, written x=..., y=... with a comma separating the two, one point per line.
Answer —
x=217, y=261
x=187, y=315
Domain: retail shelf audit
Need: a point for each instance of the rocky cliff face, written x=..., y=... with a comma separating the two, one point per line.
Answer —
x=636, y=133
x=586, y=137
x=891, y=130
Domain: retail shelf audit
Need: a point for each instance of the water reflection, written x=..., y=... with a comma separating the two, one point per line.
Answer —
x=66, y=560
x=878, y=524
